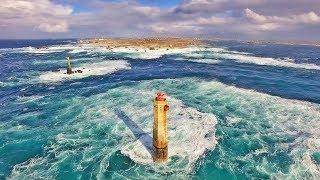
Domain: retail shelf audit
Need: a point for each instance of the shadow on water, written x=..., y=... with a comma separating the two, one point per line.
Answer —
x=142, y=136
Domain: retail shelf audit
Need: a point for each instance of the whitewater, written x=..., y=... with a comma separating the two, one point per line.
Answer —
x=237, y=111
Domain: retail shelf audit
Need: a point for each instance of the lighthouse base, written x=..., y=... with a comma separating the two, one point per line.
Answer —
x=69, y=71
x=160, y=154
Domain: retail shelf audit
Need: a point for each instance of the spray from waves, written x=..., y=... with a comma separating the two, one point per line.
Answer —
x=33, y=50
x=204, y=61
x=132, y=52
x=129, y=52
x=95, y=142
x=193, y=52
x=101, y=68
x=198, y=53
x=247, y=58
x=63, y=61
x=259, y=134
x=271, y=61
x=70, y=48
x=44, y=50
x=142, y=53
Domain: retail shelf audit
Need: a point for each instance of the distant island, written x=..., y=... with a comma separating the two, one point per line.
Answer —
x=148, y=43
x=173, y=43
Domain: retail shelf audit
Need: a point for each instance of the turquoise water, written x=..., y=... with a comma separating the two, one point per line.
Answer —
x=237, y=111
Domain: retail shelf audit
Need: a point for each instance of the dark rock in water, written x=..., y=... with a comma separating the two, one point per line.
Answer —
x=152, y=48
x=168, y=49
x=56, y=70
x=41, y=47
x=69, y=71
x=79, y=71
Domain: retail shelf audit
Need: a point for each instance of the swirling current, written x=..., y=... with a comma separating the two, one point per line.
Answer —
x=237, y=111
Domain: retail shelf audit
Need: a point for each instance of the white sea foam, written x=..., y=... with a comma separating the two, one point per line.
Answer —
x=64, y=61
x=141, y=53
x=190, y=134
x=206, y=61
x=70, y=48
x=101, y=128
x=105, y=125
x=101, y=68
x=196, y=53
x=270, y=61
x=9, y=83
x=44, y=50
x=33, y=50
x=202, y=55
x=273, y=117
x=138, y=52
x=27, y=99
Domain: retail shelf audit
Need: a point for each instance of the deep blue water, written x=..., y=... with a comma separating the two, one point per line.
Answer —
x=265, y=97
x=19, y=43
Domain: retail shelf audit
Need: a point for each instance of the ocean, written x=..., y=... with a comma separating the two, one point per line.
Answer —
x=237, y=111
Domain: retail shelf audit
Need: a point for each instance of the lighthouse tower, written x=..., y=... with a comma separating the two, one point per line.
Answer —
x=160, y=133
x=69, y=70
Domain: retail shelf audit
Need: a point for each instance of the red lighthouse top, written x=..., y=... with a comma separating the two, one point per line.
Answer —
x=160, y=97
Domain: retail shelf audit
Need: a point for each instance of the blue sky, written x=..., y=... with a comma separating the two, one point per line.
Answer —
x=83, y=5
x=162, y=3
x=237, y=19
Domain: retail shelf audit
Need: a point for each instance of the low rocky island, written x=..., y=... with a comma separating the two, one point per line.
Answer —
x=148, y=43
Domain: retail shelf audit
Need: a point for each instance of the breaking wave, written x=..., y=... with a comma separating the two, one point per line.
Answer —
x=195, y=54
x=101, y=68
x=271, y=61
x=118, y=123
x=247, y=58
x=267, y=134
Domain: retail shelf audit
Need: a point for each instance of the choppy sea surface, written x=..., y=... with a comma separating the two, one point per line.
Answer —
x=237, y=111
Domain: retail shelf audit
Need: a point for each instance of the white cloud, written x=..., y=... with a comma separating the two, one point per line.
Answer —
x=214, y=20
x=254, y=16
x=54, y=27
x=175, y=28
x=268, y=26
x=244, y=19
x=35, y=15
x=145, y=10
x=307, y=18
x=191, y=18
